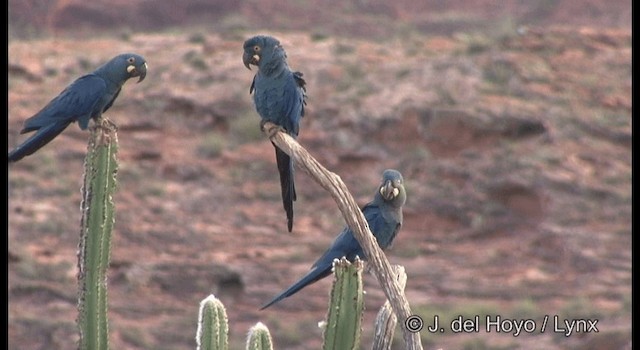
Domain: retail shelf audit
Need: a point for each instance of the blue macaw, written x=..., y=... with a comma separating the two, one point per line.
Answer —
x=384, y=216
x=86, y=98
x=279, y=96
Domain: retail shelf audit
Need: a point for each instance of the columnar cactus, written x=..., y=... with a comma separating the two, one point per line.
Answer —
x=94, y=249
x=259, y=338
x=344, y=319
x=213, y=325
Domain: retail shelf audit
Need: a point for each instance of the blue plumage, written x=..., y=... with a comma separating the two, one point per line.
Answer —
x=384, y=216
x=279, y=97
x=86, y=98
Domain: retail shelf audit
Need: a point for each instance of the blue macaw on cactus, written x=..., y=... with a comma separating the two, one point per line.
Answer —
x=86, y=98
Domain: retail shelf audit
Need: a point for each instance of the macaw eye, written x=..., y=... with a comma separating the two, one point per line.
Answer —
x=256, y=48
x=131, y=59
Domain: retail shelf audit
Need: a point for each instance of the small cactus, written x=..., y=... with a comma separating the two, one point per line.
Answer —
x=344, y=320
x=259, y=338
x=213, y=325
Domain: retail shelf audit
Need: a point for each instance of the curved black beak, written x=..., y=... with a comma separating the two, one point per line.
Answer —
x=249, y=59
x=139, y=71
x=388, y=191
x=142, y=72
x=246, y=59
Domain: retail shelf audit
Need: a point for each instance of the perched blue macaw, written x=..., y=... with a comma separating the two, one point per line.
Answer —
x=86, y=98
x=384, y=216
x=279, y=96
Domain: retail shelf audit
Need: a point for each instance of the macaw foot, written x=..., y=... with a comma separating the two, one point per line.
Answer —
x=108, y=124
x=104, y=129
x=270, y=128
x=105, y=124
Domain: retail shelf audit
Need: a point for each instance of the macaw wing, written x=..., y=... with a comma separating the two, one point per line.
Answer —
x=77, y=102
x=383, y=227
x=294, y=101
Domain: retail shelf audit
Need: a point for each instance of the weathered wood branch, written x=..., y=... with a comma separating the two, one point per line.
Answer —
x=356, y=221
x=386, y=320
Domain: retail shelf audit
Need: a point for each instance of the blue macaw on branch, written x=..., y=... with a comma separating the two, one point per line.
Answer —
x=86, y=98
x=384, y=216
x=279, y=96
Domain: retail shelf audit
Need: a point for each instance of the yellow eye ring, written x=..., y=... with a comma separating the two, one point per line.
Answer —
x=256, y=48
x=131, y=59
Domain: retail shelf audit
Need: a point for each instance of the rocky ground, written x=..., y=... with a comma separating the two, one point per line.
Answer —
x=515, y=144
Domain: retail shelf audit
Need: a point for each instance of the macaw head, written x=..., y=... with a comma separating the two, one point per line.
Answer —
x=136, y=66
x=260, y=50
x=125, y=66
x=392, y=188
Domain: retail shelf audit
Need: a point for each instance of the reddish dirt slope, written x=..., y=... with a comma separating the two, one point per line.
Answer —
x=515, y=147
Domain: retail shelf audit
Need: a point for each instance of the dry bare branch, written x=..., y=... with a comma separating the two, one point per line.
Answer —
x=356, y=221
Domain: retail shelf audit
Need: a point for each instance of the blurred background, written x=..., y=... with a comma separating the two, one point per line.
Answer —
x=510, y=120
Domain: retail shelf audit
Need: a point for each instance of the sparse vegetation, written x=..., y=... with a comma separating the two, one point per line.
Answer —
x=212, y=145
x=245, y=127
x=197, y=38
x=195, y=60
